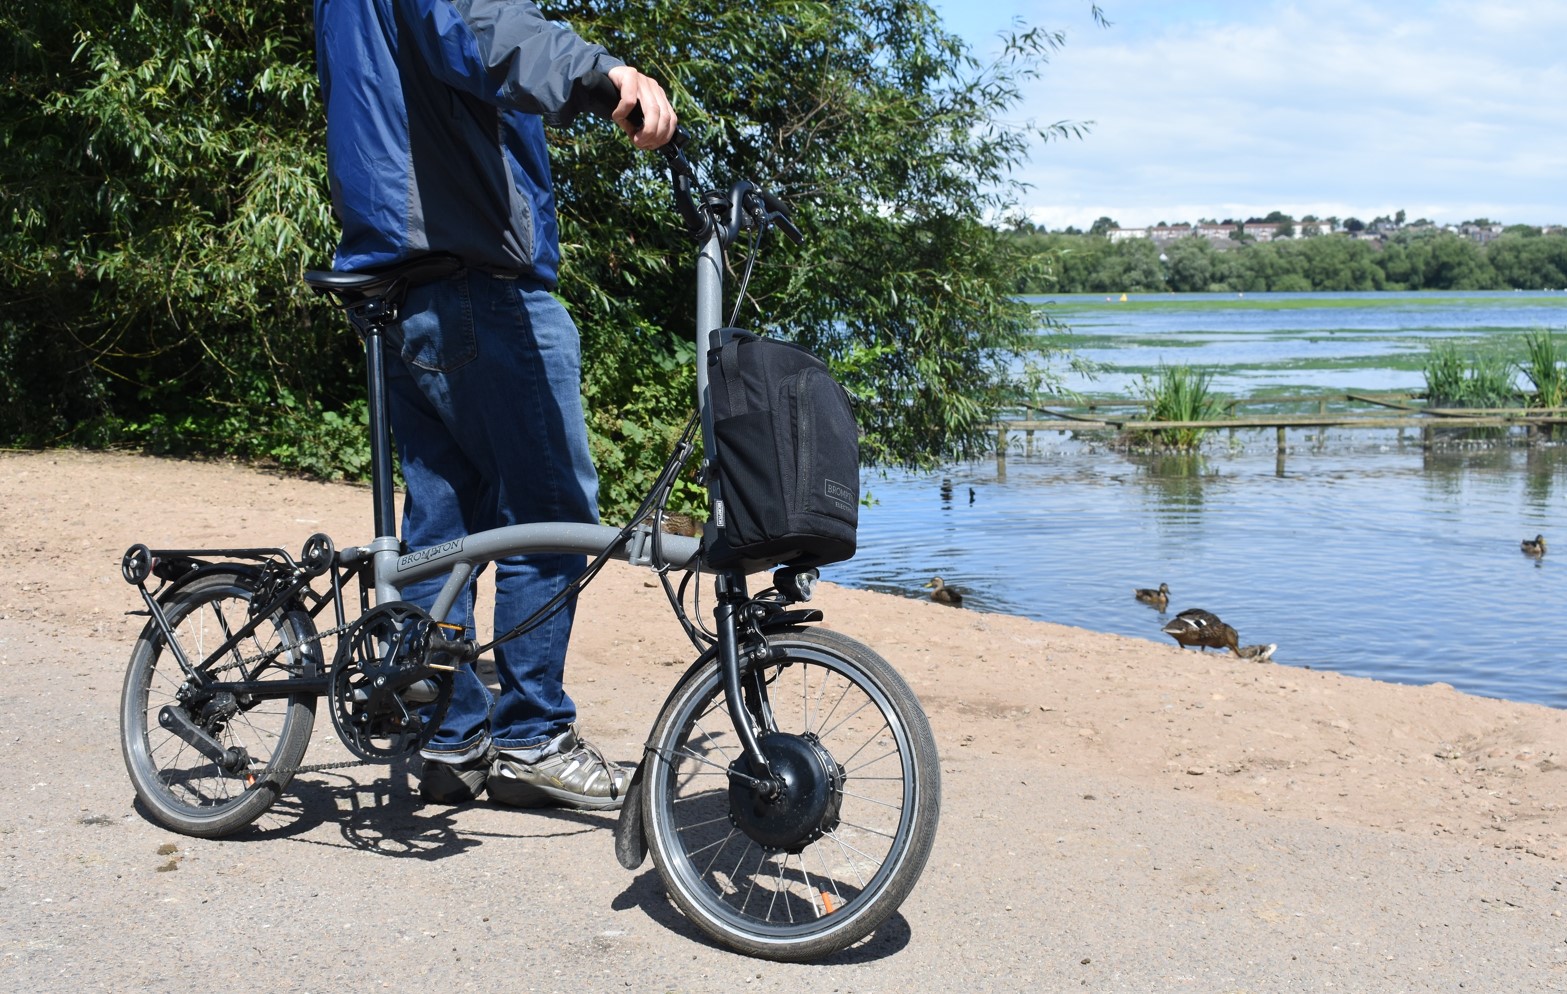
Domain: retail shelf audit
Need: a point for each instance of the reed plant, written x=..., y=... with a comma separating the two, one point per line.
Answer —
x=1454, y=380
x=1180, y=393
x=1545, y=366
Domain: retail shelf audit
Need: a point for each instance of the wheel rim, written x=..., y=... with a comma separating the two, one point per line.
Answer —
x=773, y=894
x=184, y=779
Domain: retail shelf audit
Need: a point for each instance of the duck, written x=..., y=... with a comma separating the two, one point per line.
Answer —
x=1203, y=629
x=943, y=594
x=1257, y=653
x=1158, y=598
x=1533, y=547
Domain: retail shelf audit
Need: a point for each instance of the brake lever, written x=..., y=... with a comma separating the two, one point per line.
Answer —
x=778, y=213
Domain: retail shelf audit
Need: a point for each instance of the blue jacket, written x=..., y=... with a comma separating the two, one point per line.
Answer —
x=435, y=128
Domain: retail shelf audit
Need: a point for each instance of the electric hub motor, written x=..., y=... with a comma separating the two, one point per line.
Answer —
x=806, y=805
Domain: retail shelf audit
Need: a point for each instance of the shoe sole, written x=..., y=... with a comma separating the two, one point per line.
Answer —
x=521, y=794
x=447, y=787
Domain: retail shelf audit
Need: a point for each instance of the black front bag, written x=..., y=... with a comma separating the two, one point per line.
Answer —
x=788, y=456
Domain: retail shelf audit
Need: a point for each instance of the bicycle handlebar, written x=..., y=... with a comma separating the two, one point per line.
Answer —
x=746, y=204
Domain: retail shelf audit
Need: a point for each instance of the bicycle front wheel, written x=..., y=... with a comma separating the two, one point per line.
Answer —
x=262, y=737
x=818, y=867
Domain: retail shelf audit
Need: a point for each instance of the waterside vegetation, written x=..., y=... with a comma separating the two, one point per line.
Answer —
x=1181, y=394
x=163, y=189
x=1176, y=406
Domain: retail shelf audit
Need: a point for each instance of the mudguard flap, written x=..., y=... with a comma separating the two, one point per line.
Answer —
x=630, y=839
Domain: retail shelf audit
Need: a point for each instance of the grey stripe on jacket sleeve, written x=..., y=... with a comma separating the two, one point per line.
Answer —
x=531, y=63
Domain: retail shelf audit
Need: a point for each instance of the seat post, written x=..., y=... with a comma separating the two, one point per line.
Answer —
x=380, y=434
x=370, y=318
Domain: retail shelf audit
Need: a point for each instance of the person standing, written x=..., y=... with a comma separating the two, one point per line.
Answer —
x=435, y=138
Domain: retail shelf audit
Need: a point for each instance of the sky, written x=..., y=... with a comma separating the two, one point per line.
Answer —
x=1448, y=111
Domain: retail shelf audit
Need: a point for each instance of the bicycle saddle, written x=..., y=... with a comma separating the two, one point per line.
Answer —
x=377, y=281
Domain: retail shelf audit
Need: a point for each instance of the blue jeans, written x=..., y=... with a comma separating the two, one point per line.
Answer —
x=484, y=384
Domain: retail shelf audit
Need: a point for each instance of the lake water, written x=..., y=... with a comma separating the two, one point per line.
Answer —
x=1359, y=551
x=1285, y=342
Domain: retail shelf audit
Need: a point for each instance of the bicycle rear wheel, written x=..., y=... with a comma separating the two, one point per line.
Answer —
x=799, y=876
x=184, y=788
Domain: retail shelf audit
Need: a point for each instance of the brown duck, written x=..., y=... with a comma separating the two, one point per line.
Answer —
x=1203, y=629
x=1158, y=598
x=1534, y=547
x=943, y=594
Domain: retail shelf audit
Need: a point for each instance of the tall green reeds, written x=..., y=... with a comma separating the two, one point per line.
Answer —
x=1453, y=380
x=1180, y=393
x=1545, y=365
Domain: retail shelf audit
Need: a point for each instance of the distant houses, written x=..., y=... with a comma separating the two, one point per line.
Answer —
x=1260, y=231
x=1267, y=231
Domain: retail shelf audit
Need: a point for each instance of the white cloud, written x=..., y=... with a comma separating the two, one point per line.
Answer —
x=1315, y=106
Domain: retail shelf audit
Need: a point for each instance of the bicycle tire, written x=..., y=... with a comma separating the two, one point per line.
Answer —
x=180, y=787
x=766, y=901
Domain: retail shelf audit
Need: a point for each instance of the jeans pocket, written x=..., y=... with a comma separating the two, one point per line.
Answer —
x=437, y=329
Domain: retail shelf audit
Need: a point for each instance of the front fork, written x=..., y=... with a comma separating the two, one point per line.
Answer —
x=732, y=598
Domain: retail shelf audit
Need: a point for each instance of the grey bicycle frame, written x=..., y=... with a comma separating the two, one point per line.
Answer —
x=394, y=569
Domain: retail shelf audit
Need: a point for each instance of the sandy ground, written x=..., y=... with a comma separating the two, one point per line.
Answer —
x=1119, y=814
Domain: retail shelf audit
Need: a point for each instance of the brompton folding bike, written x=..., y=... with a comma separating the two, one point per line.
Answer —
x=789, y=789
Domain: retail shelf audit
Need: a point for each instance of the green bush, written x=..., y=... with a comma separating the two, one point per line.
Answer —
x=163, y=188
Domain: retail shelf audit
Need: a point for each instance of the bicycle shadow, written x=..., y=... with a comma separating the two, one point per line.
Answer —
x=646, y=893
x=385, y=816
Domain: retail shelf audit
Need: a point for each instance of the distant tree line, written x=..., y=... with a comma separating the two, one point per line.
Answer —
x=1413, y=258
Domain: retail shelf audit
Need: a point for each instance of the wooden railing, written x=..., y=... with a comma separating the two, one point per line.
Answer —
x=1340, y=410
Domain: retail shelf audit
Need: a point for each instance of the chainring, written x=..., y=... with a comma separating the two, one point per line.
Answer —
x=386, y=700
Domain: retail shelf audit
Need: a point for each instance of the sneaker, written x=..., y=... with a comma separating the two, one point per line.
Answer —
x=454, y=783
x=573, y=774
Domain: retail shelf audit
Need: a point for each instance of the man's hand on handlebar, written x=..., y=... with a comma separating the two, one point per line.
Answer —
x=642, y=93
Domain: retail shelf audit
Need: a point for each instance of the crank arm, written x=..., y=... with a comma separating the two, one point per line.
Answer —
x=177, y=721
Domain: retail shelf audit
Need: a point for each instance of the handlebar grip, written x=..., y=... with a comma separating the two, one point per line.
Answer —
x=603, y=96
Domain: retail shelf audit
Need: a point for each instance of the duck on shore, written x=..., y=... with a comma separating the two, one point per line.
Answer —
x=943, y=594
x=1534, y=547
x=1159, y=598
x=1203, y=629
x=1257, y=653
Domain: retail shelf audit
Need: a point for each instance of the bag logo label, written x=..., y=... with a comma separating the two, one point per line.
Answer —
x=838, y=492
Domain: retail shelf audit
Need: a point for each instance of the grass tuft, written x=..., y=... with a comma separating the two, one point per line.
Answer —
x=1180, y=393
x=1453, y=380
x=1545, y=365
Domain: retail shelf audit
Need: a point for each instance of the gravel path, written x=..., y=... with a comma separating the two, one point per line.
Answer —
x=1095, y=835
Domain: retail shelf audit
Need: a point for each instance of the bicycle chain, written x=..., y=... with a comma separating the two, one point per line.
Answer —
x=269, y=656
x=272, y=654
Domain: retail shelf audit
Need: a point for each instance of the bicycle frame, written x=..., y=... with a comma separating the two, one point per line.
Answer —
x=393, y=569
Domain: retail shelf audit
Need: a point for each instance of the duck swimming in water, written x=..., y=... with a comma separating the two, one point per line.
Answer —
x=1534, y=547
x=1158, y=598
x=943, y=594
x=1203, y=629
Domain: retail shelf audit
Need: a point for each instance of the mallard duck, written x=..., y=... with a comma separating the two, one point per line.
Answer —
x=1203, y=629
x=1257, y=653
x=943, y=594
x=1158, y=598
x=1534, y=547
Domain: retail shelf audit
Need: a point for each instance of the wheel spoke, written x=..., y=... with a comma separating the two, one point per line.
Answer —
x=894, y=805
